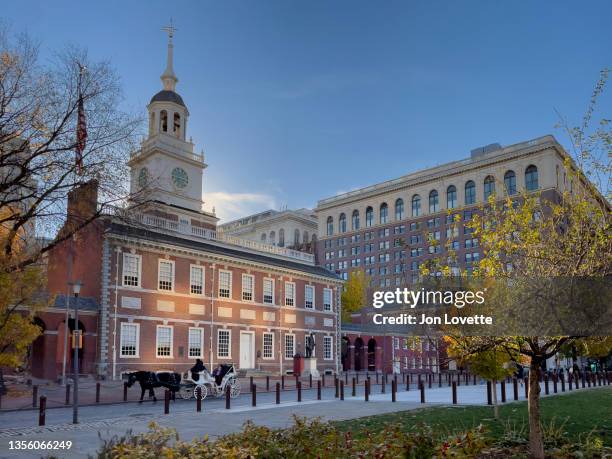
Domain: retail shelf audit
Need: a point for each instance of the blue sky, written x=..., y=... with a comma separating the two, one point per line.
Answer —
x=297, y=101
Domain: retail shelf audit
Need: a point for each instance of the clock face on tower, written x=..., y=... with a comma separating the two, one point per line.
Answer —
x=179, y=177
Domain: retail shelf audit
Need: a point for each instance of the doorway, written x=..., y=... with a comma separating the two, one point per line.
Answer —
x=247, y=349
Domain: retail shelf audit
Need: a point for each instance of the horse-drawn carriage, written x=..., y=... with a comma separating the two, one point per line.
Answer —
x=214, y=384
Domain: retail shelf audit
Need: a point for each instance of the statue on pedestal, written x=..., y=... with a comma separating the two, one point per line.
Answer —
x=310, y=345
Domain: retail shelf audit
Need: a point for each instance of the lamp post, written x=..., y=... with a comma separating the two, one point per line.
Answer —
x=76, y=288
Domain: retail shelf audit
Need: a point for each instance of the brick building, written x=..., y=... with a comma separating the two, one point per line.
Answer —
x=161, y=287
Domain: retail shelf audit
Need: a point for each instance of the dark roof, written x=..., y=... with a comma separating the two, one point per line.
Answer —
x=85, y=303
x=168, y=96
x=144, y=233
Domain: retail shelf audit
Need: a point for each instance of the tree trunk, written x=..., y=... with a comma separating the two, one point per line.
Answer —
x=494, y=395
x=536, y=443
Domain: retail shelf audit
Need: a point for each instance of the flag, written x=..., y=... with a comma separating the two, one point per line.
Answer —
x=81, y=134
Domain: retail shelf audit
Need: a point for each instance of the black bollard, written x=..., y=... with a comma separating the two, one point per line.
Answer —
x=34, y=396
x=474, y=380
x=166, y=401
x=42, y=410
x=323, y=380
x=393, y=390
x=383, y=388
x=341, y=390
x=554, y=384
x=251, y=382
x=310, y=380
x=429, y=380
x=299, y=391
x=283, y=382
x=67, y=402
x=422, y=387
x=319, y=389
x=489, y=401
x=97, y=392
x=199, y=399
x=253, y=395
x=439, y=379
x=336, y=388
x=454, y=393
x=546, y=384
x=503, y=391
x=367, y=389
x=354, y=390
x=125, y=388
x=278, y=388
x=515, y=388
x=407, y=384
x=267, y=383
x=227, y=397
x=346, y=378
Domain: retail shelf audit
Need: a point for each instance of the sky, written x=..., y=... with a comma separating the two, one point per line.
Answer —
x=294, y=102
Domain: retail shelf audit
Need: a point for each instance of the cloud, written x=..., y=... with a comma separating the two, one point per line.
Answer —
x=230, y=206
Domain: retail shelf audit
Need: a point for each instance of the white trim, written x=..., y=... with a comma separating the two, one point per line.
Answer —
x=252, y=277
x=139, y=258
x=290, y=298
x=273, y=291
x=313, y=289
x=171, y=356
x=224, y=271
x=137, y=355
x=229, y=343
x=331, y=300
x=331, y=347
x=201, y=268
x=201, y=330
x=253, y=355
x=263, y=347
x=285, y=346
x=159, y=262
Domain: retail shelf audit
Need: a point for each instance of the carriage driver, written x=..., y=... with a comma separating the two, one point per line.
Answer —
x=196, y=369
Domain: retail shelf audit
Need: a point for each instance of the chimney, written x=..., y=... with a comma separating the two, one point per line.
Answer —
x=82, y=203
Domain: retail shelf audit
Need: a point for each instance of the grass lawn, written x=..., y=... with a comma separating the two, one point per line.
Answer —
x=580, y=411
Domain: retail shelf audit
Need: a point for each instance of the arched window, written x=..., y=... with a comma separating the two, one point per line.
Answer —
x=273, y=237
x=355, y=220
x=281, y=237
x=384, y=212
x=152, y=123
x=531, y=178
x=163, y=120
x=342, y=224
x=305, y=237
x=263, y=237
x=510, y=182
x=451, y=197
x=489, y=186
x=434, y=202
x=296, y=237
x=399, y=209
x=176, y=127
x=369, y=216
x=416, y=205
x=470, y=192
x=330, y=226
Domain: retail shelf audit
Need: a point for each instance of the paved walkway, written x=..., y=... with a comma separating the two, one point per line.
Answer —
x=106, y=421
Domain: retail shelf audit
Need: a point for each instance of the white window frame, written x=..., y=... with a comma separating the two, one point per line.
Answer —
x=328, y=306
x=202, y=270
x=312, y=297
x=285, y=346
x=229, y=343
x=201, y=331
x=329, y=356
x=263, y=346
x=171, y=356
x=252, y=278
x=139, y=278
x=263, y=298
x=159, y=263
x=292, y=298
x=223, y=271
x=137, y=354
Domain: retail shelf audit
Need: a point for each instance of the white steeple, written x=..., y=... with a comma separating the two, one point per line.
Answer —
x=169, y=78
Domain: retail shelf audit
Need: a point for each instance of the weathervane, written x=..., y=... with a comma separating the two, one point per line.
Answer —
x=170, y=29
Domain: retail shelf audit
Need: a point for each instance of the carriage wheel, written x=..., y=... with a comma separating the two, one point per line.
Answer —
x=185, y=392
x=234, y=388
x=204, y=392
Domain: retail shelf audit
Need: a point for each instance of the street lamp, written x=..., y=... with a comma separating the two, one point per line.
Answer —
x=76, y=289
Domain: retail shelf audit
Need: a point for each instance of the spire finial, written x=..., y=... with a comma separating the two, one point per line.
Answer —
x=168, y=78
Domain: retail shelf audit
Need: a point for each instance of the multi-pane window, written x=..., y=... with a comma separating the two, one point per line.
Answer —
x=510, y=182
x=309, y=297
x=289, y=346
x=327, y=348
x=470, y=192
x=225, y=284
x=434, y=201
x=451, y=197
x=327, y=299
x=131, y=270
x=330, y=226
x=416, y=205
x=166, y=275
x=531, y=178
x=247, y=287
x=196, y=280
x=195, y=341
x=223, y=343
x=369, y=217
x=164, y=341
x=355, y=220
x=289, y=294
x=342, y=223
x=489, y=186
x=384, y=212
x=268, y=345
x=399, y=209
x=268, y=291
x=128, y=341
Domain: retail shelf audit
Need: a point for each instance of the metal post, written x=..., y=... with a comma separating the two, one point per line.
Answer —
x=515, y=388
x=34, y=395
x=393, y=390
x=97, y=392
x=299, y=391
x=319, y=389
x=503, y=390
x=227, y=397
x=454, y=393
x=422, y=387
x=489, y=400
x=77, y=346
x=283, y=382
x=337, y=387
x=67, y=394
x=278, y=389
x=310, y=380
x=341, y=390
x=125, y=388
x=382, y=386
x=199, y=399
x=253, y=395
x=42, y=410
x=353, y=392
x=367, y=389
x=251, y=382
x=267, y=383
x=323, y=379
x=166, y=401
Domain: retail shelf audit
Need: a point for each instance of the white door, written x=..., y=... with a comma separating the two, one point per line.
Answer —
x=247, y=349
